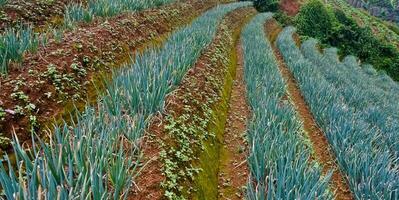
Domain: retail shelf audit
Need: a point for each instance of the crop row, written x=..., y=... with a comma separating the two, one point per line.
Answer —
x=279, y=160
x=370, y=166
x=96, y=155
x=106, y=8
x=15, y=42
x=376, y=104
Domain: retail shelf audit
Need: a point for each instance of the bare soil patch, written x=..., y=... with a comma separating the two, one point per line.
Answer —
x=290, y=7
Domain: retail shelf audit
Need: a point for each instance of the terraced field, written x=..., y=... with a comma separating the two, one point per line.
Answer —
x=196, y=99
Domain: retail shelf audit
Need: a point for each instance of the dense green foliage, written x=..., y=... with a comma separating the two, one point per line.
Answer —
x=283, y=19
x=266, y=5
x=334, y=28
x=315, y=20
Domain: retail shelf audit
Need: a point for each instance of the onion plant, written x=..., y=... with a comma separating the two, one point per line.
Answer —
x=15, y=42
x=371, y=168
x=107, y=8
x=279, y=160
x=377, y=104
x=95, y=156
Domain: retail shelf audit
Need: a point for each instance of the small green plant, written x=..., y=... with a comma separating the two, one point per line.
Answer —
x=5, y=142
x=20, y=96
x=2, y=114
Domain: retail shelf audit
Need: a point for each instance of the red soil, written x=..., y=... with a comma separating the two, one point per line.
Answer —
x=318, y=139
x=290, y=7
x=107, y=45
x=233, y=168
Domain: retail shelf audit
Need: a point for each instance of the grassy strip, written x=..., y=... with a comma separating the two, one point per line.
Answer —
x=279, y=158
x=221, y=71
x=96, y=156
x=371, y=169
x=376, y=106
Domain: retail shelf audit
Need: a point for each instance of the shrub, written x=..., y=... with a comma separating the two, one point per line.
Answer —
x=266, y=5
x=315, y=20
x=283, y=18
x=334, y=28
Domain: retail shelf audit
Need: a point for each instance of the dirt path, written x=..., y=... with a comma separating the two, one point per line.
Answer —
x=233, y=169
x=319, y=142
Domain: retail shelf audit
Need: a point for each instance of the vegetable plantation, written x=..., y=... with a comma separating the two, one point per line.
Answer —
x=196, y=99
x=279, y=157
x=362, y=150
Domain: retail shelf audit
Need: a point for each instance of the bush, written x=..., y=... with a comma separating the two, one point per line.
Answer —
x=266, y=5
x=315, y=20
x=283, y=18
x=334, y=28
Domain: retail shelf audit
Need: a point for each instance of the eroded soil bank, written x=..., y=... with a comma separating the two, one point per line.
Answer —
x=50, y=82
x=322, y=152
x=196, y=112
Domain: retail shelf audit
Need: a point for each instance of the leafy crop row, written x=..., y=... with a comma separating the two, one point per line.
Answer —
x=15, y=42
x=96, y=156
x=376, y=106
x=371, y=169
x=279, y=160
x=106, y=8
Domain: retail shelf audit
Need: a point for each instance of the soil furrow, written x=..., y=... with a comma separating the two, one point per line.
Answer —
x=319, y=142
x=201, y=97
x=61, y=75
x=233, y=168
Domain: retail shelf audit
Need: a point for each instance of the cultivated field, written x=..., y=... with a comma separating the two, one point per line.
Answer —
x=197, y=99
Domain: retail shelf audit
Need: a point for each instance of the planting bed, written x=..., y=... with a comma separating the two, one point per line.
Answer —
x=322, y=152
x=359, y=146
x=62, y=73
